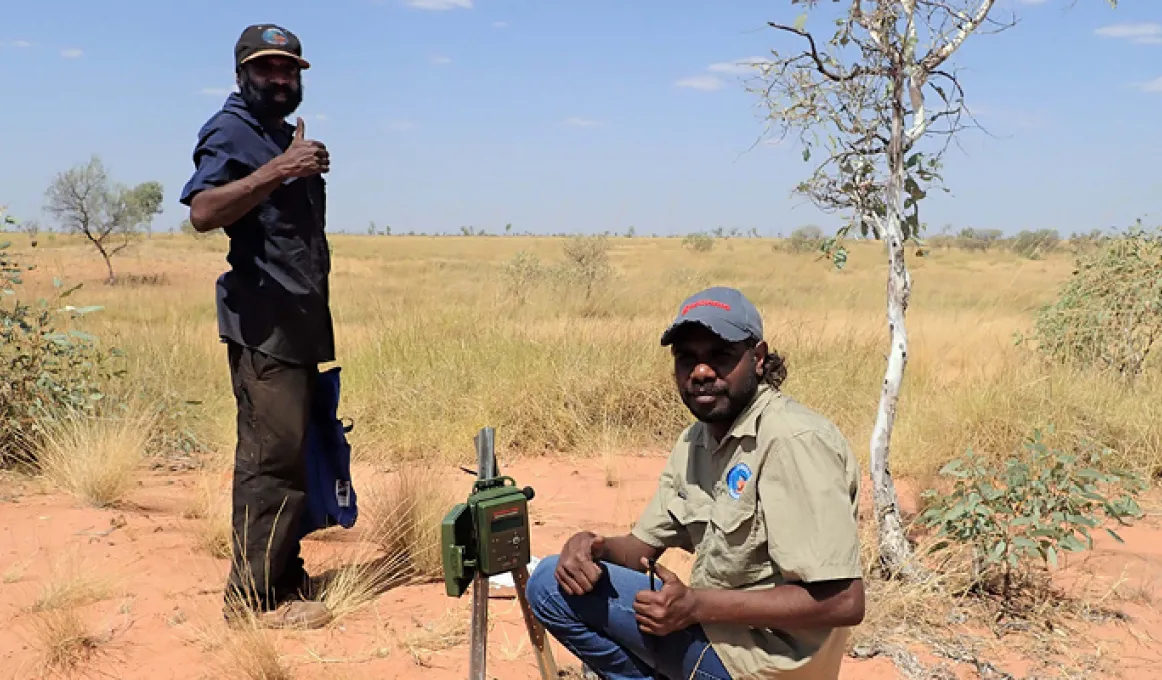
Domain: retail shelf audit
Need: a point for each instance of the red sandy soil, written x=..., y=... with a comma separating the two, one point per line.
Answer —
x=168, y=593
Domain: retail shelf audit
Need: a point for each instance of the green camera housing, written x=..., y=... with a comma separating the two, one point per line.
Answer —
x=487, y=535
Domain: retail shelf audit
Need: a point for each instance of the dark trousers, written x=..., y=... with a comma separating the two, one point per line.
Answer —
x=270, y=484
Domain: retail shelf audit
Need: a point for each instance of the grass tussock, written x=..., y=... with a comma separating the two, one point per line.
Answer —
x=72, y=583
x=251, y=653
x=95, y=459
x=399, y=545
x=242, y=649
x=405, y=515
x=210, y=510
x=453, y=628
x=64, y=640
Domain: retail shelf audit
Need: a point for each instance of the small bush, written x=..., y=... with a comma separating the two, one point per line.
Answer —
x=977, y=239
x=1036, y=244
x=48, y=370
x=805, y=239
x=521, y=274
x=586, y=263
x=699, y=242
x=1109, y=313
x=1020, y=514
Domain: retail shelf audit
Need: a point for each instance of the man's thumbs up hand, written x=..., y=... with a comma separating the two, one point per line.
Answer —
x=671, y=608
x=304, y=157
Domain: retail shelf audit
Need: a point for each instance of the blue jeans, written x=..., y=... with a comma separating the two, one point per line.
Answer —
x=601, y=630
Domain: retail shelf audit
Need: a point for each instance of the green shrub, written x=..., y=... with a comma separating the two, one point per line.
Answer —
x=47, y=369
x=1021, y=513
x=1109, y=313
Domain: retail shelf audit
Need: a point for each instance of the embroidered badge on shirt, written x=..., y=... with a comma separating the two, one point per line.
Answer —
x=736, y=480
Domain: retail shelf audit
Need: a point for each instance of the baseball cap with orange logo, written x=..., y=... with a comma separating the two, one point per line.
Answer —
x=725, y=311
x=266, y=40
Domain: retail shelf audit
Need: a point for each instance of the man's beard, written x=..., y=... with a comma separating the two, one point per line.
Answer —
x=265, y=102
x=728, y=404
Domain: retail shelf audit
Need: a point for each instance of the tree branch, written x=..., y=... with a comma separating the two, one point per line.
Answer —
x=813, y=54
x=941, y=53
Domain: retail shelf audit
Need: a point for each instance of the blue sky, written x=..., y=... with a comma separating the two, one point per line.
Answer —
x=562, y=115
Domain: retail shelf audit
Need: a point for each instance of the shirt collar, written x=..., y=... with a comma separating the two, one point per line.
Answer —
x=236, y=105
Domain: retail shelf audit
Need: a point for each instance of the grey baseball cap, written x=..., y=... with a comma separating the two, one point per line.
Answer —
x=725, y=311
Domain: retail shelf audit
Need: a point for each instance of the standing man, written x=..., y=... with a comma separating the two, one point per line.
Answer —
x=762, y=490
x=260, y=179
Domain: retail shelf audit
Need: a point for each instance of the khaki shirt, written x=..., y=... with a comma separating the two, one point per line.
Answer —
x=775, y=501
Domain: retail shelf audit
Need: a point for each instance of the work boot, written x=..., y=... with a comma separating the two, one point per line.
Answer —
x=300, y=614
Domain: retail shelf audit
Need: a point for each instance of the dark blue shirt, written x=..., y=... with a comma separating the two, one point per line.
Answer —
x=275, y=297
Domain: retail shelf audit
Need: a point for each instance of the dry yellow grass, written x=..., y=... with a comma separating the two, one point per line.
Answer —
x=64, y=640
x=450, y=629
x=252, y=653
x=404, y=520
x=95, y=459
x=434, y=345
x=210, y=510
x=243, y=648
x=73, y=583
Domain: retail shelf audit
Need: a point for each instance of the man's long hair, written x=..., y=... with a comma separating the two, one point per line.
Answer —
x=774, y=368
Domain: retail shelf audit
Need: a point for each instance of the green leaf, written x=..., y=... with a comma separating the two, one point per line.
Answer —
x=70, y=291
x=839, y=257
x=1088, y=473
x=1051, y=556
x=1082, y=520
x=806, y=154
x=951, y=468
x=801, y=21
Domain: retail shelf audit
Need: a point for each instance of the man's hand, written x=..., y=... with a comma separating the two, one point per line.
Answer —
x=577, y=570
x=304, y=157
x=670, y=609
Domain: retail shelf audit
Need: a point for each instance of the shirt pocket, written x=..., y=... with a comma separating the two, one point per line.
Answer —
x=692, y=509
x=736, y=551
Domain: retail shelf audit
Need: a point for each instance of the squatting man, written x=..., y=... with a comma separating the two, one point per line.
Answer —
x=762, y=490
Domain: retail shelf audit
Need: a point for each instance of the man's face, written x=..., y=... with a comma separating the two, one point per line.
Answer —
x=716, y=379
x=271, y=86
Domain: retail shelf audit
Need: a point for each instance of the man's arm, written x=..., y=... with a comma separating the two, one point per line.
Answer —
x=655, y=531
x=827, y=604
x=627, y=551
x=225, y=205
x=220, y=206
x=577, y=569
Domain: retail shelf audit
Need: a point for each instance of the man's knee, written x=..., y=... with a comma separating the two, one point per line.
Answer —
x=542, y=586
